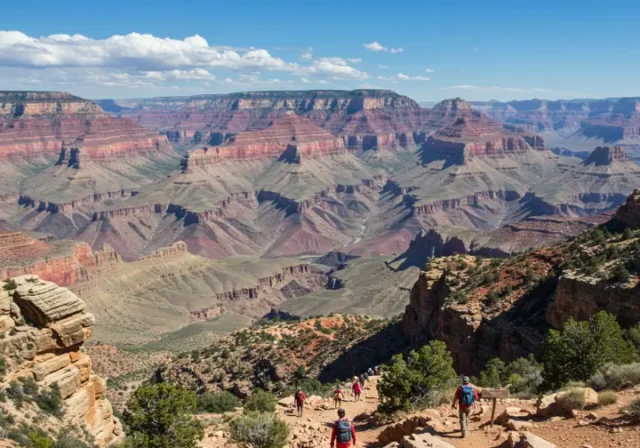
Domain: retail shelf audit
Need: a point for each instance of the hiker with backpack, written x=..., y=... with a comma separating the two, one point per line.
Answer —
x=466, y=397
x=344, y=433
x=362, y=379
x=356, y=389
x=338, y=396
x=300, y=398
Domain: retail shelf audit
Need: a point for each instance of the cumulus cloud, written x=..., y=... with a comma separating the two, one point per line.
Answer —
x=430, y=70
x=376, y=46
x=403, y=77
x=336, y=68
x=143, y=59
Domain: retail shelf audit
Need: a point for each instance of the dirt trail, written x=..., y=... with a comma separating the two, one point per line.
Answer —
x=564, y=433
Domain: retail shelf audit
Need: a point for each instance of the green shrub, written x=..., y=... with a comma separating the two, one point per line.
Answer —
x=634, y=409
x=581, y=348
x=14, y=392
x=29, y=386
x=617, y=377
x=259, y=430
x=160, y=416
x=417, y=381
x=572, y=399
x=607, y=397
x=260, y=401
x=218, y=402
x=493, y=374
x=620, y=274
x=524, y=376
x=9, y=284
x=50, y=401
x=39, y=441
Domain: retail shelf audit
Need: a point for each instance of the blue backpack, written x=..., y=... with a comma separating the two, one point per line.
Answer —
x=343, y=431
x=467, y=397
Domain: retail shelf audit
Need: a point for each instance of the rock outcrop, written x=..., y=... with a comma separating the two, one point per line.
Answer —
x=37, y=124
x=47, y=348
x=62, y=262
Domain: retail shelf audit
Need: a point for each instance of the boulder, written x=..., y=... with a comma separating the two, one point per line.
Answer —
x=424, y=441
x=511, y=413
x=45, y=302
x=396, y=432
x=287, y=401
x=527, y=440
x=519, y=425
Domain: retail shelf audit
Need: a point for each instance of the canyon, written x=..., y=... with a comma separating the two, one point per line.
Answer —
x=509, y=314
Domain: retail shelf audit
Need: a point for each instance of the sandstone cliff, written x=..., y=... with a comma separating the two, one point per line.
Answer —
x=62, y=262
x=43, y=329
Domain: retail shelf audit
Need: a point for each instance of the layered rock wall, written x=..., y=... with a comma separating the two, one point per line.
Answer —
x=48, y=349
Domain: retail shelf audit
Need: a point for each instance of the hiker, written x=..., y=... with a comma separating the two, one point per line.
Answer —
x=343, y=432
x=370, y=372
x=362, y=379
x=466, y=397
x=338, y=395
x=300, y=399
x=357, y=390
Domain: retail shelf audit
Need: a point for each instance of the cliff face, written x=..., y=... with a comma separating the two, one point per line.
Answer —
x=37, y=124
x=473, y=331
x=365, y=119
x=47, y=348
x=62, y=262
x=504, y=308
x=289, y=137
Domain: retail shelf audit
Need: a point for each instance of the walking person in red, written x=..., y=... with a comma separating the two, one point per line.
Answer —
x=300, y=398
x=356, y=389
x=466, y=397
x=338, y=396
x=344, y=433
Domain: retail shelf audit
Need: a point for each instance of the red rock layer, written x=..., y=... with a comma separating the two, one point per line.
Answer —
x=365, y=119
x=22, y=255
x=290, y=133
x=33, y=125
x=473, y=135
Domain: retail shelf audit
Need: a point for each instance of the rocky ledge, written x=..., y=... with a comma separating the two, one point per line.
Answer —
x=43, y=329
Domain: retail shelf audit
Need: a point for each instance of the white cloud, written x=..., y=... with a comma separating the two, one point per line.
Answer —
x=403, y=77
x=497, y=89
x=430, y=70
x=354, y=60
x=136, y=60
x=336, y=68
x=375, y=46
x=141, y=52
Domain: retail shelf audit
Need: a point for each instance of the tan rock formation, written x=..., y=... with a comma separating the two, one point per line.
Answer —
x=49, y=352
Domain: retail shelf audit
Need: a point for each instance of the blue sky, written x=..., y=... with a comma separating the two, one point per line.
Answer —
x=429, y=50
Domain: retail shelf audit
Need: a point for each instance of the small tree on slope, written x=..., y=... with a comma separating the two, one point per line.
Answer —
x=161, y=416
x=577, y=351
x=419, y=381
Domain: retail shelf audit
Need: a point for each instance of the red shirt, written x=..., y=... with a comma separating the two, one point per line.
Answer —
x=300, y=397
x=356, y=388
x=334, y=434
x=459, y=396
